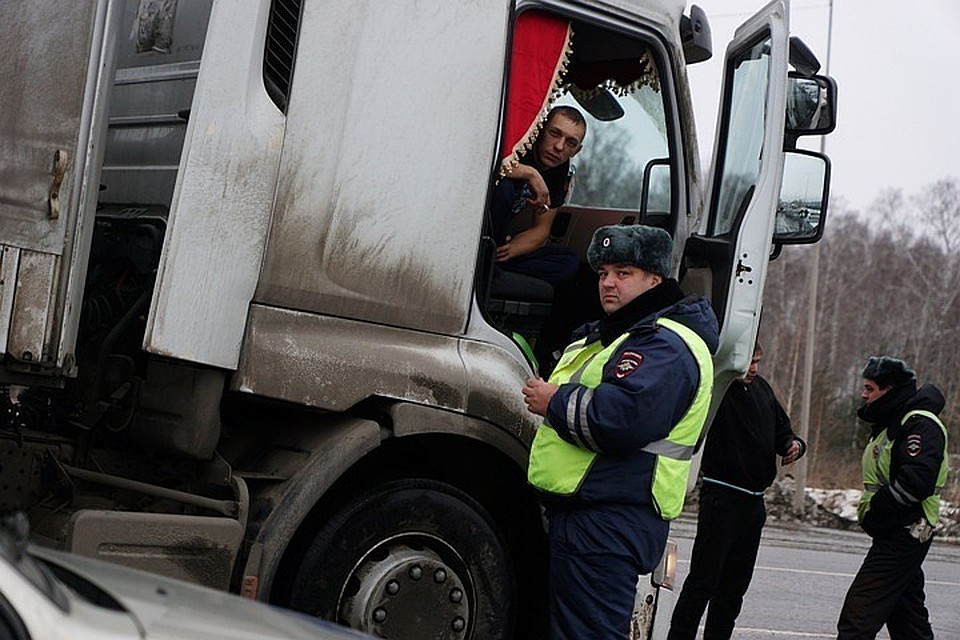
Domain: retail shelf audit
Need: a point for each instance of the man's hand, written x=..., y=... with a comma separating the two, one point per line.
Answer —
x=792, y=454
x=537, y=394
x=541, y=195
x=504, y=251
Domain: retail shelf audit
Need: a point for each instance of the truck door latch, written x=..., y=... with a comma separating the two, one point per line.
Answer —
x=59, y=171
x=743, y=268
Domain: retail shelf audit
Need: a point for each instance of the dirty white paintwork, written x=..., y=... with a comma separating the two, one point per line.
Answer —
x=741, y=321
x=663, y=13
x=85, y=191
x=333, y=363
x=48, y=111
x=35, y=283
x=386, y=161
x=222, y=199
x=41, y=112
x=745, y=295
x=9, y=262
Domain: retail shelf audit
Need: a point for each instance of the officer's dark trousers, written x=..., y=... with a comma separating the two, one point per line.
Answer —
x=888, y=589
x=596, y=558
x=721, y=566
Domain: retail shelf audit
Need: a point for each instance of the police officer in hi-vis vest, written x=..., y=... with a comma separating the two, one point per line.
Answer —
x=622, y=412
x=904, y=469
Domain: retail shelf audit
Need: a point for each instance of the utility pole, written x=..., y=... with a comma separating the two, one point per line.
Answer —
x=799, y=495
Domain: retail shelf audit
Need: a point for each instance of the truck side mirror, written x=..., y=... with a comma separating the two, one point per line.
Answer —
x=811, y=107
x=696, y=36
x=804, y=191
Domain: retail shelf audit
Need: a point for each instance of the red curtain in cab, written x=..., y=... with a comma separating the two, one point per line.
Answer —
x=542, y=44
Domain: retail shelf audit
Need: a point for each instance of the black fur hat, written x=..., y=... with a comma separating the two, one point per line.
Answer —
x=649, y=248
x=887, y=371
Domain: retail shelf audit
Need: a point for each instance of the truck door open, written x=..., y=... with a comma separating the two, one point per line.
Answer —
x=50, y=151
x=728, y=259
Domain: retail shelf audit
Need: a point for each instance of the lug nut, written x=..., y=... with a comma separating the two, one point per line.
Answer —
x=458, y=624
x=379, y=615
x=416, y=572
x=393, y=587
x=439, y=576
x=456, y=595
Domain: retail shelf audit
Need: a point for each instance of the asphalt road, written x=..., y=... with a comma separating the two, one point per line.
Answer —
x=802, y=575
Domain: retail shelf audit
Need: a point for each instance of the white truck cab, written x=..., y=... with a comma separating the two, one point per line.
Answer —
x=251, y=326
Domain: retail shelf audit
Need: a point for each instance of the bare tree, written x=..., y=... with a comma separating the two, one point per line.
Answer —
x=890, y=279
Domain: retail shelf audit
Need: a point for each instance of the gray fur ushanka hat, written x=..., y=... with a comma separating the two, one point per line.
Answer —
x=649, y=248
x=887, y=371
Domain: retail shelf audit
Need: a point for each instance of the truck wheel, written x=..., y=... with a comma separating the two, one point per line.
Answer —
x=411, y=559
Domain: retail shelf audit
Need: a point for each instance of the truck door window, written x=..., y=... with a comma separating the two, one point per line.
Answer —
x=740, y=159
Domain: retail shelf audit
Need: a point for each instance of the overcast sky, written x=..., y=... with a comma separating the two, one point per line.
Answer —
x=897, y=66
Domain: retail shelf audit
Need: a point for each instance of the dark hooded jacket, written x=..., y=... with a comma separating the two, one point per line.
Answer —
x=915, y=460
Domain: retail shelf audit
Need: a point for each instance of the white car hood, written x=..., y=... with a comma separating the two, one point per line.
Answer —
x=168, y=609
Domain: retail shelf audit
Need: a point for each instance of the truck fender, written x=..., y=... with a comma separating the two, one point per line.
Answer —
x=411, y=419
x=334, y=447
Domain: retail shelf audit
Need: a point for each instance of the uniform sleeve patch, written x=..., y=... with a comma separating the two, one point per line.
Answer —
x=914, y=444
x=628, y=363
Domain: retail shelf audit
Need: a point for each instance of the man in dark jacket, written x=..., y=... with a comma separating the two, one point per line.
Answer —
x=904, y=469
x=539, y=184
x=739, y=464
x=622, y=413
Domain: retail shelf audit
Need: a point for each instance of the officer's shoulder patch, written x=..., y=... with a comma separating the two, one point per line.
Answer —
x=914, y=444
x=628, y=363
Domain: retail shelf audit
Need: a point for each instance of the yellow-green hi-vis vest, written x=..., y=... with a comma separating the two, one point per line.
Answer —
x=876, y=470
x=558, y=467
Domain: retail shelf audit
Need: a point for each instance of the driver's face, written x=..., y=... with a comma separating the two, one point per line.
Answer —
x=560, y=140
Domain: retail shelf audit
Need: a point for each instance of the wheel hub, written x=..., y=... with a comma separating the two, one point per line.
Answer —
x=405, y=589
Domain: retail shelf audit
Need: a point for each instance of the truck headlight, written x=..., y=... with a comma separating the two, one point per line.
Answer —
x=666, y=572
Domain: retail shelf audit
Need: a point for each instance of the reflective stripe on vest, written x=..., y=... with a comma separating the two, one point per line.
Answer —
x=674, y=452
x=876, y=472
x=558, y=467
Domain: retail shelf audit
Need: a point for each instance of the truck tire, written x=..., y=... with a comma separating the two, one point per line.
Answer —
x=410, y=559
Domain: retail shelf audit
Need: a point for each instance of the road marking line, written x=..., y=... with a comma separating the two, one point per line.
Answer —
x=941, y=583
x=790, y=634
x=816, y=573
